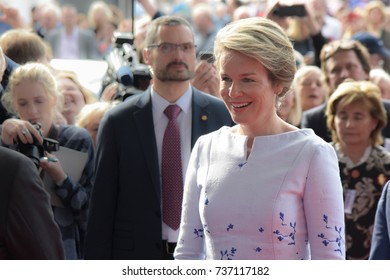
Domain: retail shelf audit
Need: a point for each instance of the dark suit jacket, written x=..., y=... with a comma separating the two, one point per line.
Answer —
x=380, y=245
x=27, y=227
x=88, y=48
x=10, y=67
x=125, y=212
x=315, y=119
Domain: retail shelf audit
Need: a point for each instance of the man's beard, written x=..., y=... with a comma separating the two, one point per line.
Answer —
x=169, y=75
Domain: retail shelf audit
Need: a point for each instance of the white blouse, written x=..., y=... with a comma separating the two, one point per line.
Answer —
x=284, y=202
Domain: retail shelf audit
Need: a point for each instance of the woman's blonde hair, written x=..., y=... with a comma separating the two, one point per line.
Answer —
x=306, y=70
x=295, y=115
x=35, y=73
x=361, y=92
x=98, y=6
x=264, y=40
x=368, y=8
x=92, y=111
x=89, y=97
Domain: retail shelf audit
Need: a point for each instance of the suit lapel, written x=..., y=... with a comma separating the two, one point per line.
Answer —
x=143, y=119
x=200, y=116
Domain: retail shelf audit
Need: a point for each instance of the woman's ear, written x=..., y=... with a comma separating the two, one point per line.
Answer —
x=278, y=89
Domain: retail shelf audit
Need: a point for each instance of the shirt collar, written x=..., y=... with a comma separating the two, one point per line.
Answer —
x=346, y=160
x=159, y=103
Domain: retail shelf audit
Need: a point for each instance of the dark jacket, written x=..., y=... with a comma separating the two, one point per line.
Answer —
x=10, y=67
x=27, y=227
x=380, y=244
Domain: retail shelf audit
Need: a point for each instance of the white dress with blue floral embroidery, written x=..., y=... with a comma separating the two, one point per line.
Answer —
x=284, y=202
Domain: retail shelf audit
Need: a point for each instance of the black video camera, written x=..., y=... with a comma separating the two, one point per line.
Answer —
x=297, y=10
x=35, y=151
x=125, y=68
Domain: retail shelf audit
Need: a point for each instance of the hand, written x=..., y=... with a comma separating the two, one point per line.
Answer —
x=148, y=7
x=15, y=130
x=310, y=21
x=269, y=14
x=11, y=16
x=110, y=92
x=206, y=78
x=52, y=166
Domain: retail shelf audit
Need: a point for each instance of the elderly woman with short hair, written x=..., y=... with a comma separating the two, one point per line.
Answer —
x=356, y=116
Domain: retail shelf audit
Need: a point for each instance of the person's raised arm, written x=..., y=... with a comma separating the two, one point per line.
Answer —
x=11, y=16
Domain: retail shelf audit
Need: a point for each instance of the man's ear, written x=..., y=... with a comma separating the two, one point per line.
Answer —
x=146, y=53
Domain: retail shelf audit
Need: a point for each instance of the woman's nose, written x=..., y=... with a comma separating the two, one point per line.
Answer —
x=234, y=91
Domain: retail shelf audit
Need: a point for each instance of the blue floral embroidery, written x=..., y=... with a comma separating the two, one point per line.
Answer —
x=242, y=164
x=230, y=226
x=258, y=250
x=228, y=254
x=290, y=235
x=198, y=233
x=281, y=216
x=206, y=201
x=326, y=241
x=261, y=229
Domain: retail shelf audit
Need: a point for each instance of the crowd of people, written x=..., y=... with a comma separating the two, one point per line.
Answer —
x=261, y=132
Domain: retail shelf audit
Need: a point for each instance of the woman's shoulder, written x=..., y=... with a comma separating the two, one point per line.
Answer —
x=74, y=137
x=223, y=131
x=313, y=137
x=381, y=152
x=314, y=142
x=214, y=136
x=73, y=131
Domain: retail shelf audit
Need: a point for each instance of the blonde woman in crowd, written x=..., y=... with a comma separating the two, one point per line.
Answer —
x=375, y=15
x=33, y=97
x=76, y=96
x=101, y=20
x=290, y=109
x=382, y=79
x=91, y=115
x=310, y=86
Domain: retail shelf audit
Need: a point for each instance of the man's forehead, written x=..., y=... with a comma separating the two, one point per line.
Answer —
x=343, y=56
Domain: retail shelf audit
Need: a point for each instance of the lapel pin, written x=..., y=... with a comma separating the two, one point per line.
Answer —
x=204, y=118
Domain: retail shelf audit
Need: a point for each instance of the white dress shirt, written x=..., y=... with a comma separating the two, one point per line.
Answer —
x=160, y=122
x=69, y=45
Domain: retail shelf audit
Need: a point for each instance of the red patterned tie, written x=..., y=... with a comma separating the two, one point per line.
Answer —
x=171, y=170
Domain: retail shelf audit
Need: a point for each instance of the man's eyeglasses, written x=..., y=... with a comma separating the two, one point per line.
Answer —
x=331, y=48
x=167, y=48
